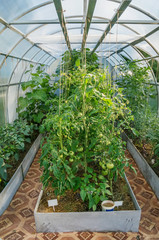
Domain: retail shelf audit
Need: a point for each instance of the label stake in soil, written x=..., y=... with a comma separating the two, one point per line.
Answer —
x=52, y=203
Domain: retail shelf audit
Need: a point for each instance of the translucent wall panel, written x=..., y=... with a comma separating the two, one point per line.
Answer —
x=1, y=26
x=11, y=9
x=12, y=103
x=21, y=48
x=105, y=9
x=8, y=39
x=38, y=56
x=147, y=48
x=7, y=69
x=25, y=76
x=29, y=55
x=3, y=105
x=44, y=30
x=1, y=58
x=148, y=6
x=47, y=12
x=44, y=58
x=20, y=68
x=132, y=52
x=135, y=15
x=142, y=29
x=72, y=7
x=27, y=28
x=154, y=40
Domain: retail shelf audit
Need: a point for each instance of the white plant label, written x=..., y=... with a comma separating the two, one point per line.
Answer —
x=118, y=203
x=52, y=203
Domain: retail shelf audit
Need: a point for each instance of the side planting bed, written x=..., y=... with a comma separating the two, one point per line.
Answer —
x=9, y=191
x=144, y=167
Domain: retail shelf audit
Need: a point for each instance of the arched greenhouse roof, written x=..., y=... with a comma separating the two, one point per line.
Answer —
x=40, y=31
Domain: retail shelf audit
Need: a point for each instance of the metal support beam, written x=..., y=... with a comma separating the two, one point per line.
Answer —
x=137, y=41
x=124, y=4
x=91, y=7
x=79, y=21
x=60, y=14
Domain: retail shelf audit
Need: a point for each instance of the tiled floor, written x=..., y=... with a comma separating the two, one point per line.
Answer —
x=17, y=222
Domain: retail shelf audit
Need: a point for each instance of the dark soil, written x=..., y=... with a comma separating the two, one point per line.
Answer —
x=72, y=202
x=15, y=164
x=146, y=151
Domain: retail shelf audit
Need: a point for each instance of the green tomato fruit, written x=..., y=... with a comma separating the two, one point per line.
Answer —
x=80, y=149
x=110, y=165
x=104, y=173
x=103, y=166
x=71, y=160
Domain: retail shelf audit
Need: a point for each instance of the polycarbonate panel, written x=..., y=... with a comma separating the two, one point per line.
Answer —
x=76, y=46
x=8, y=39
x=125, y=55
x=96, y=35
x=98, y=26
x=47, y=12
x=117, y=57
x=142, y=29
x=133, y=14
x=25, y=29
x=38, y=56
x=1, y=58
x=7, y=69
x=48, y=60
x=3, y=104
x=132, y=52
x=1, y=26
x=112, y=58
x=26, y=75
x=44, y=30
x=154, y=40
x=148, y=6
x=11, y=9
x=72, y=7
x=18, y=71
x=119, y=29
x=54, y=49
x=12, y=103
x=43, y=59
x=30, y=54
x=74, y=32
x=105, y=9
x=147, y=48
x=21, y=48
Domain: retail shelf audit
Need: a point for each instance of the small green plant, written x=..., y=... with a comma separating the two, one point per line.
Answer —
x=32, y=107
x=13, y=139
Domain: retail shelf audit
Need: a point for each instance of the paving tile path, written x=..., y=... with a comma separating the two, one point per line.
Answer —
x=17, y=222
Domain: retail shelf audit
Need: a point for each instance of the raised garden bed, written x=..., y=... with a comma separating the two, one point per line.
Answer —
x=150, y=176
x=9, y=191
x=127, y=220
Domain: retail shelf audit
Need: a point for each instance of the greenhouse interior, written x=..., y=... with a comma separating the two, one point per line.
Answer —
x=79, y=119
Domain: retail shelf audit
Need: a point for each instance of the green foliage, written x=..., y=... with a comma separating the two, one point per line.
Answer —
x=13, y=139
x=81, y=137
x=32, y=107
x=134, y=83
x=76, y=58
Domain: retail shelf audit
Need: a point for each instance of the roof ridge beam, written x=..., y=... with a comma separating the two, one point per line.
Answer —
x=124, y=4
x=91, y=7
x=61, y=18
